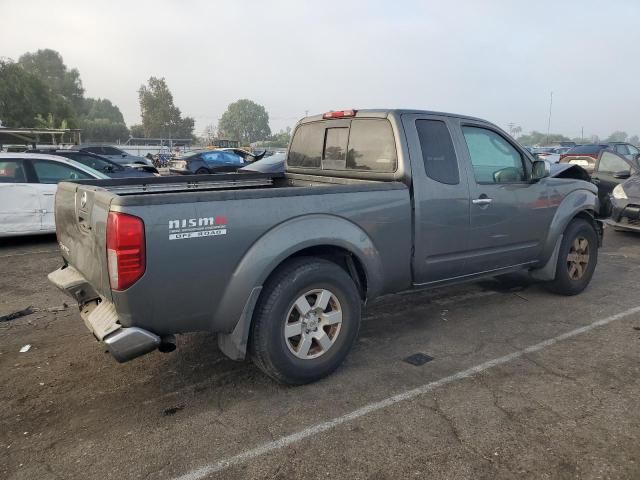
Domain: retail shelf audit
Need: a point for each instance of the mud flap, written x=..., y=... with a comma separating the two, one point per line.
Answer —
x=234, y=344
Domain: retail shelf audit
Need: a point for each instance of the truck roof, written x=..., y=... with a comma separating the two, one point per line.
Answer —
x=385, y=112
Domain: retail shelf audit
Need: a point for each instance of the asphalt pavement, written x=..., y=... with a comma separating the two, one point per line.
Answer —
x=503, y=380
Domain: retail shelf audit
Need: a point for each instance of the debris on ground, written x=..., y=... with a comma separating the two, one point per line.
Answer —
x=14, y=315
x=26, y=348
x=172, y=410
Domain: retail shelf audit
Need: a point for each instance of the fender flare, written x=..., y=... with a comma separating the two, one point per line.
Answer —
x=572, y=205
x=270, y=251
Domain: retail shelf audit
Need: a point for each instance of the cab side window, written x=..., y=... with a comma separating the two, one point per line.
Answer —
x=494, y=159
x=438, y=154
x=52, y=172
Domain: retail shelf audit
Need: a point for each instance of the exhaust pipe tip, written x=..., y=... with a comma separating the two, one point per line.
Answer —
x=167, y=343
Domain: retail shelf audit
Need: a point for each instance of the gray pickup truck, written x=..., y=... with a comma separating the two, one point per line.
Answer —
x=279, y=266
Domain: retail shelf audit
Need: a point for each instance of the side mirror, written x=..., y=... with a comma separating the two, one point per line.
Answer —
x=541, y=169
x=622, y=174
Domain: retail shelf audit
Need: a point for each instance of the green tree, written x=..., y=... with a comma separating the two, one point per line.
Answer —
x=245, y=121
x=278, y=140
x=104, y=130
x=160, y=117
x=634, y=140
x=94, y=108
x=22, y=96
x=137, y=130
x=63, y=83
x=101, y=121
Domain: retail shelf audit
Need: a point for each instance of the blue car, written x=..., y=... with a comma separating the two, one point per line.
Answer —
x=200, y=162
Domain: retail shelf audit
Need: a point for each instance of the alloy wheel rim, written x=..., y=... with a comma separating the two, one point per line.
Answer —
x=578, y=258
x=313, y=324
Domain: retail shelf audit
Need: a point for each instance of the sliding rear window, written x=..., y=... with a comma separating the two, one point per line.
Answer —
x=361, y=145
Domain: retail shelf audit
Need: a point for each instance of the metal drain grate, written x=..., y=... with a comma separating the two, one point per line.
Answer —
x=418, y=359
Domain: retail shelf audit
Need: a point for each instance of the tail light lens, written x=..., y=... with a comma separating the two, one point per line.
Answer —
x=564, y=155
x=125, y=250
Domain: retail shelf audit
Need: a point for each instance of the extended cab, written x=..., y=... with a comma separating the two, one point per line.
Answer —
x=372, y=202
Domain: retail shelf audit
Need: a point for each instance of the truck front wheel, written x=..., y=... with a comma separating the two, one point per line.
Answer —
x=306, y=321
x=577, y=258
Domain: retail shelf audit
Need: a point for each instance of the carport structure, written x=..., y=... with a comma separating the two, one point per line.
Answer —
x=34, y=136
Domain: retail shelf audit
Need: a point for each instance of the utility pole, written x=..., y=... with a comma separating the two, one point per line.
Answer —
x=582, y=134
x=549, y=123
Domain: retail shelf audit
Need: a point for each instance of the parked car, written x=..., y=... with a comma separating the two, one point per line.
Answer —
x=201, y=162
x=270, y=164
x=618, y=181
x=551, y=154
x=101, y=164
x=372, y=202
x=28, y=184
x=114, y=154
x=586, y=155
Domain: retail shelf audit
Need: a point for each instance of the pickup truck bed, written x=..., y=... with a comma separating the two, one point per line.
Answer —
x=180, y=256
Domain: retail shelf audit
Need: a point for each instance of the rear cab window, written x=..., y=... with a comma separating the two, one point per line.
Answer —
x=358, y=144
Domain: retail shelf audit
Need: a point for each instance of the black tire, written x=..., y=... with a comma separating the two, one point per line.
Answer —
x=268, y=347
x=202, y=171
x=565, y=282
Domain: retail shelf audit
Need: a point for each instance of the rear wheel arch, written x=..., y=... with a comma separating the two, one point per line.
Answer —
x=352, y=250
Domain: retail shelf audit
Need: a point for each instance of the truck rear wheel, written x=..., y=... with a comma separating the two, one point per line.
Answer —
x=577, y=258
x=306, y=321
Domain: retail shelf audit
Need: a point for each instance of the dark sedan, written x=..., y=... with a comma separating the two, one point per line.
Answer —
x=202, y=162
x=618, y=181
x=101, y=164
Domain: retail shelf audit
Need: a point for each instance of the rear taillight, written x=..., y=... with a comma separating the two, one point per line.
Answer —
x=339, y=114
x=562, y=156
x=125, y=250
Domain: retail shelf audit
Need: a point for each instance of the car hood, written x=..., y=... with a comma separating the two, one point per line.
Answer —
x=569, y=170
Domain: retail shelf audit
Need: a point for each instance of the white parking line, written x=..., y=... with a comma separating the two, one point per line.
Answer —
x=247, y=455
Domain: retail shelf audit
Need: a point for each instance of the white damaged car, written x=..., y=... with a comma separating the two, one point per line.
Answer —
x=28, y=184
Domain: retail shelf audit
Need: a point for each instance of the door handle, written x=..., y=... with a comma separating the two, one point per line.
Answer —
x=481, y=201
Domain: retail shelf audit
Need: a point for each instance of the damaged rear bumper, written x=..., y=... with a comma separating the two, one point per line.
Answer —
x=101, y=318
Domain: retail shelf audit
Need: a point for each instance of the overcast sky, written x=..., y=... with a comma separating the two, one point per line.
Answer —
x=494, y=59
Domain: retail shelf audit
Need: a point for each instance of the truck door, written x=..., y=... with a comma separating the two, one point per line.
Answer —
x=441, y=199
x=509, y=214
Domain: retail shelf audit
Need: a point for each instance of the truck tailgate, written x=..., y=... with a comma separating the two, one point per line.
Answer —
x=81, y=217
